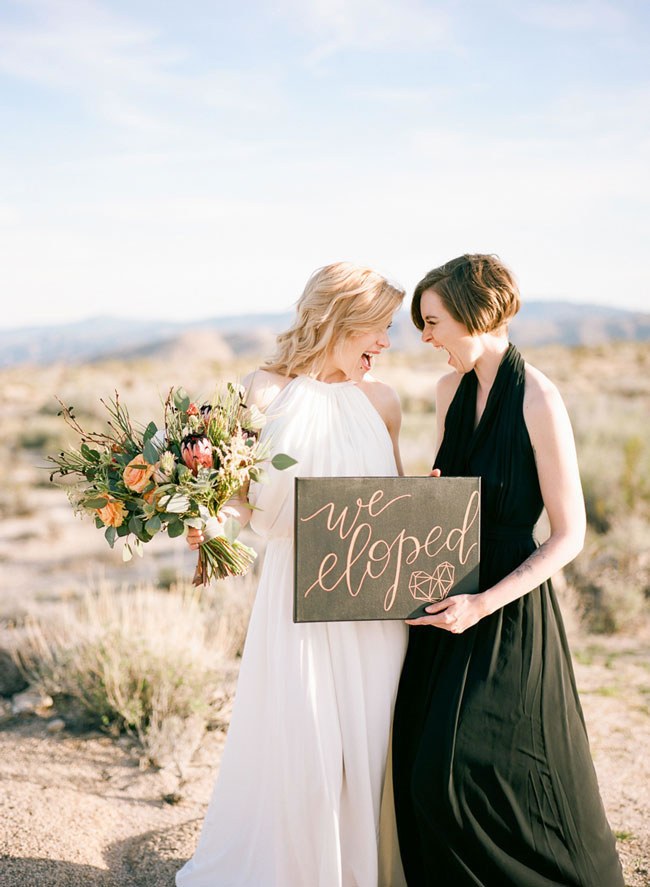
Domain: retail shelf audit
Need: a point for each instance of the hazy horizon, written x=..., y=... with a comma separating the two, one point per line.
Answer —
x=278, y=312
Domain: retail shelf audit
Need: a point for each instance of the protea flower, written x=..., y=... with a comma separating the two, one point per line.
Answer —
x=196, y=452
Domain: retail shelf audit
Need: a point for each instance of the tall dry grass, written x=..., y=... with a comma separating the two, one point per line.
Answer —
x=612, y=574
x=156, y=664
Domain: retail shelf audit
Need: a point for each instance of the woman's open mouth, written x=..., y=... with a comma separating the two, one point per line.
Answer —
x=366, y=361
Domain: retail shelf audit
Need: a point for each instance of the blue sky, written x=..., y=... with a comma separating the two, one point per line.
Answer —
x=192, y=159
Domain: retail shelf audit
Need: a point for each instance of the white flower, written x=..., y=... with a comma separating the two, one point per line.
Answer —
x=253, y=419
x=159, y=439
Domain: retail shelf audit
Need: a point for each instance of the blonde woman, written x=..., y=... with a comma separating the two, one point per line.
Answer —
x=297, y=801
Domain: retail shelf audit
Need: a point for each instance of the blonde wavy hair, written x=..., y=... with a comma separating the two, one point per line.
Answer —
x=339, y=301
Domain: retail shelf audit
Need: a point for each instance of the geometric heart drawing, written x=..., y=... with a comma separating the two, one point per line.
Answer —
x=432, y=587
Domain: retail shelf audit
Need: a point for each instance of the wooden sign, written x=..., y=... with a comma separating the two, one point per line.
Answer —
x=383, y=547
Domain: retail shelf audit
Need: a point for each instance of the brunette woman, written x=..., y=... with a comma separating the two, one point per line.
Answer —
x=494, y=782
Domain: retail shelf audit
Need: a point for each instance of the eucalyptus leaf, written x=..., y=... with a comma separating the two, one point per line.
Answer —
x=97, y=502
x=135, y=525
x=149, y=432
x=175, y=528
x=281, y=461
x=181, y=399
x=86, y=451
x=150, y=453
x=110, y=535
x=153, y=525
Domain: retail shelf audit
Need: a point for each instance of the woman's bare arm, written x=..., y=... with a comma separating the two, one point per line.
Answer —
x=551, y=436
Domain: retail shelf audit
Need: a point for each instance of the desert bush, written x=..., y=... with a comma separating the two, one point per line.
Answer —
x=14, y=498
x=43, y=437
x=154, y=664
x=612, y=576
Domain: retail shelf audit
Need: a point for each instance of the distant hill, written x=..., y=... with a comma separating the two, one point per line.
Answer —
x=570, y=323
x=538, y=323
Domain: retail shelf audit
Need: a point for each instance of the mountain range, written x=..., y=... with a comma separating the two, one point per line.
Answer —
x=222, y=338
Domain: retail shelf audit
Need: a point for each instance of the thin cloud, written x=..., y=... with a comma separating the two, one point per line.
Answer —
x=362, y=25
x=582, y=15
x=123, y=72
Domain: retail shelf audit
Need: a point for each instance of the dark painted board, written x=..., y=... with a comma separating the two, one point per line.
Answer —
x=383, y=547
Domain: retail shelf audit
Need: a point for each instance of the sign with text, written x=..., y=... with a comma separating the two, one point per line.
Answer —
x=383, y=547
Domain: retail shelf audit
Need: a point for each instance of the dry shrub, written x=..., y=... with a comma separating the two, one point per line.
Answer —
x=159, y=665
x=612, y=576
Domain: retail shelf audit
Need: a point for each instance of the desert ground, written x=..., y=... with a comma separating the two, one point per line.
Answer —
x=83, y=805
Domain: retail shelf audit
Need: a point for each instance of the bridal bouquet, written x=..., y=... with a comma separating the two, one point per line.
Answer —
x=140, y=481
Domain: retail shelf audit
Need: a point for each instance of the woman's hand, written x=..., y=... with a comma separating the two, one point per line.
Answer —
x=196, y=537
x=455, y=614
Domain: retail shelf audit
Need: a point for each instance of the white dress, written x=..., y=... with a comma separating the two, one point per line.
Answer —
x=297, y=800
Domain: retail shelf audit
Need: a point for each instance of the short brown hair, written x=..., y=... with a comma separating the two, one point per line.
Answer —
x=477, y=290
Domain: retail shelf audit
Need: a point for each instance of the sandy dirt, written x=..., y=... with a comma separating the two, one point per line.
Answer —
x=79, y=810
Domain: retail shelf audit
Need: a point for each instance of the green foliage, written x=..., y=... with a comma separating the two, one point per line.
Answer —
x=281, y=461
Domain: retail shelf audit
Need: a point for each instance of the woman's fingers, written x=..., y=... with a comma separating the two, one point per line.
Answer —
x=439, y=606
x=194, y=538
x=439, y=620
x=455, y=614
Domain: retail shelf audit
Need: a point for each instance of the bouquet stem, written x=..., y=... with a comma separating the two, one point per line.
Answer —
x=219, y=558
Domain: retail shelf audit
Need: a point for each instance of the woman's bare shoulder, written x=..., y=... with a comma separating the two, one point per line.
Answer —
x=540, y=394
x=383, y=397
x=544, y=408
x=262, y=386
x=379, y=392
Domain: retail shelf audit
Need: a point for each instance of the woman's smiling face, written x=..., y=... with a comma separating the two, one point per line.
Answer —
x=356, y=355
x=442, y=331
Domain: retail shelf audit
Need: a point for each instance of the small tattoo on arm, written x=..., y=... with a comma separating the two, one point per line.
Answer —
x=531, y=562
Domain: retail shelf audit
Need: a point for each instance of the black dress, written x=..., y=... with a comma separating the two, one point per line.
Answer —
x=494, y=782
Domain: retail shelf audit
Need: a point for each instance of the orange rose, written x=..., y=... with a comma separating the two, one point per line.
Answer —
x=137, y=474
x=150, y=497
x=113, y=513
